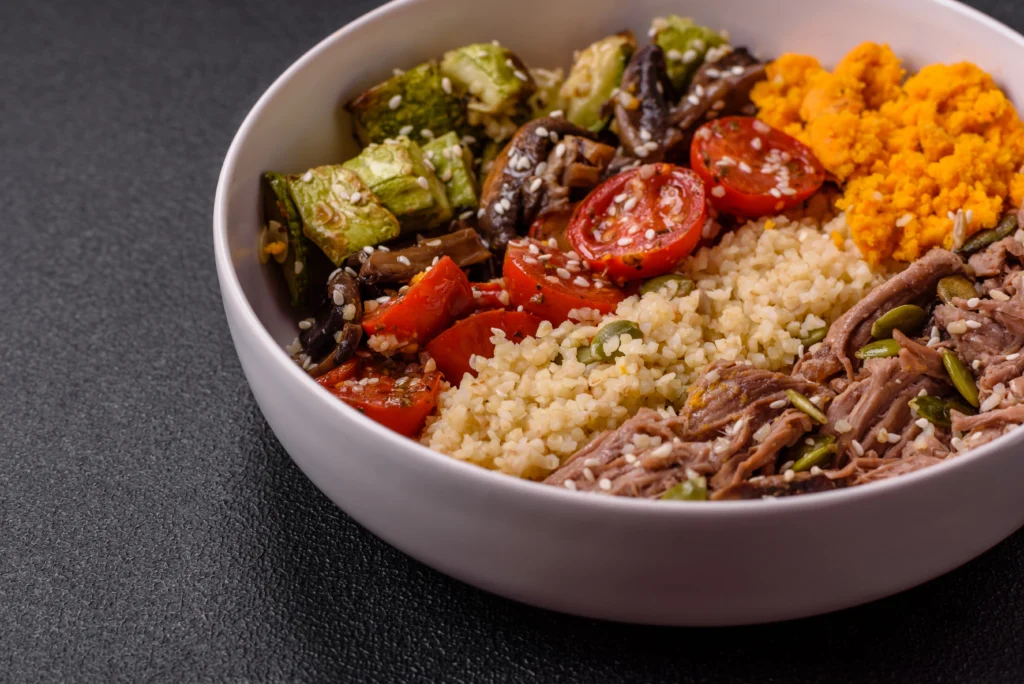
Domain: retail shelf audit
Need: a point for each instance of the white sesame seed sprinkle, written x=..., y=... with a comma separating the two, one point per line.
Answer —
x=422, y=182
x=446, y=85
x=570, y=485
x=395, y=102
x=973, y=325
x=718, y=191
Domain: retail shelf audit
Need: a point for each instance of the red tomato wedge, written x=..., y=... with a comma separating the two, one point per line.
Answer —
x=549, y=283
x=553, y=224
x=384, y=392
x=752, y=169
x=435, y=299
x=640, y=223
x=488, y=296
x=452, y=349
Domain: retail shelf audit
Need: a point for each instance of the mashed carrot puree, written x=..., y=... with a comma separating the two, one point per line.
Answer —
x=910, y=154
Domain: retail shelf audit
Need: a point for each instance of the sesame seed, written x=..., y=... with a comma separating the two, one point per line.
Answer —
x=535, y=184
x=922, y=423
x=625, y=241
x=976, y=364
x=745, y=167
x=520, y=75
x=395, y=102
x=446, y=85
x=789, y=475
x=560, y=150
x=1012, y=357
x=718, y=191
x=308, y=176
x=581, y=281
x=973, y=302
x=778, y=403
x=383, y=248
x=355, y=197
x=557, y=114
x=999, y=295
x=737, y=70
x=422, y=182
x=775, y=192
x=902, y=221
x=404, y=260
x=570, y=485
x=973, y=325
x=541, y=131
x=563, y=273
x=857, y=447
x=641, y=152
x=689, y=56
x=605, y=484
x=761, y=127
x=756, y=143
x=589, y=474
x=305, y=325
x=630, y=204
x=298, y=267
x=427, y=133
x=339, y=297
x=650, y=234
x=693, y=99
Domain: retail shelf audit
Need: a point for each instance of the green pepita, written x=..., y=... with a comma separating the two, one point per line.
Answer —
x=684, y=285
x=813, y=336
x=610, y=332
x=932, y=409
x=806, y=405
x=961, y=376
x=693, y=489
x=983, y=239
x=908, y=319
x=816, y=453
x=879, y=349
x=955, y=286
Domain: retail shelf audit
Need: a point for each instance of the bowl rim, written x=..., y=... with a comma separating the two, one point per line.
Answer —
x=475, y=475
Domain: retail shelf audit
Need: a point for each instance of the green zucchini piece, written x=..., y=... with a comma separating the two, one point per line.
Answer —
x=595, y=74
x=340, y=215
x=685, y=44
x=278, y=207
x=548, y=97
x=407, y=104
x=496, y=84
x=453, y=166
x=396, y=173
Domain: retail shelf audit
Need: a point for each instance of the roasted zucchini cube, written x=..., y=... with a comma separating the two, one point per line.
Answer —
x=453, y=166
x=496, y=84
x=395, y=171
x=340, y=214
x=595, y=74
x=685, y=44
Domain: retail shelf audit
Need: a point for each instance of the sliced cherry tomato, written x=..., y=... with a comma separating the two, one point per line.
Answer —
x=383, y=391
x=339, y=374
x=433, y=301
x=489, y=296
x=549, y=283
x=640, y=223
x=752, y=169
x=452, y=349
x=553, y=224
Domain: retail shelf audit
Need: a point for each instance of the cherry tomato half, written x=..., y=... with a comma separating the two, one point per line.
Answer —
x=452, y=349
x=553, y=224
x=640, y=223
x=549, y=283
x=433, y=301
x=752, y=169
x=387, y=393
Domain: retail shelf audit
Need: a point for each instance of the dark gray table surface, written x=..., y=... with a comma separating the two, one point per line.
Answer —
x=151, y=526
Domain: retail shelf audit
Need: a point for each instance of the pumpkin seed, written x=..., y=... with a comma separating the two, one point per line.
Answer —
x=908, y=319
x=955, y=286
x=991, y=236
x=813, y=336
x=584, y=355
x=806, y=405
x=814, y=454
x=880, y=349
x=961, y=376
x=693, y=489
x=609, y=332
x=932, y=409
x=684, y=285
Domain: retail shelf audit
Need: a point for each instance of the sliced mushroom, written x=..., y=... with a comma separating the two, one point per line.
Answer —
x=719, y=88
x=336, y=332
x=643, y=106
x=533, y=173
x=399, y=266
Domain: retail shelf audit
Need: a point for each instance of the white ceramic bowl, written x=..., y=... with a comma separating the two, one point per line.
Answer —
x=639, y=561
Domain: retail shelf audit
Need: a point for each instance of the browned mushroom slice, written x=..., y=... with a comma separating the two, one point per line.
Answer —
x=399, y=266
x=719, y=88
x=643, y=107
x=542, y=161
x=335, y=334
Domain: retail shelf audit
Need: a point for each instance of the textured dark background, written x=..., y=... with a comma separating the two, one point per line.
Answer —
x=151, y=526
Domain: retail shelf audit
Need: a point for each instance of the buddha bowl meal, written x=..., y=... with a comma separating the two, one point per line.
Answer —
x=676, y=270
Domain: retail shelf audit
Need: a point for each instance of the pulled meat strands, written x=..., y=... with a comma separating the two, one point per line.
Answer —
x=995, y=259
x=852, y=330
x=514, y=193
x=919, y=359
x=876, y=405
x=714, y=432
x=777, y=485
x=873, y=470
x=986, y=342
